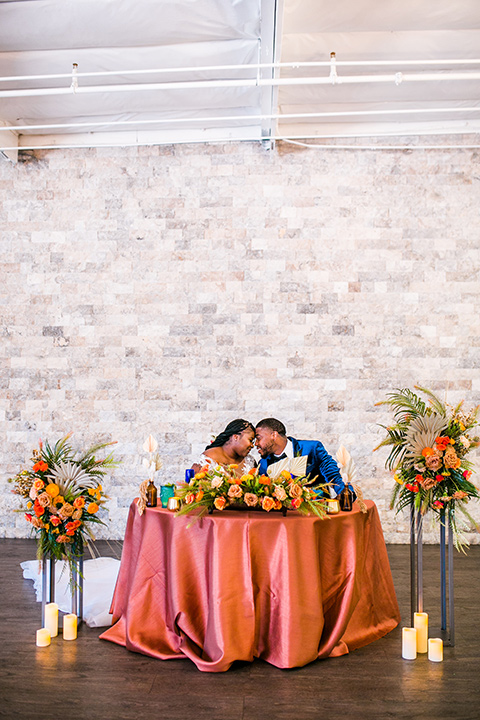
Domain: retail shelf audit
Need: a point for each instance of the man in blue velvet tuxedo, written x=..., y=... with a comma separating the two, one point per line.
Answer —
x=274, y=445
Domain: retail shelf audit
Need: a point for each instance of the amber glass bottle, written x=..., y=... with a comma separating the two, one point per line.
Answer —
x=346, y=499
x=151, y=495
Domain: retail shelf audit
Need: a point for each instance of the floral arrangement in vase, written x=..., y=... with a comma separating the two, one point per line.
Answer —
x=218, y=488
x=63, y=495
x=429, y=443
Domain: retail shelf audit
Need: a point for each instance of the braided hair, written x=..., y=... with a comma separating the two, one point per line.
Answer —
x=233, y=428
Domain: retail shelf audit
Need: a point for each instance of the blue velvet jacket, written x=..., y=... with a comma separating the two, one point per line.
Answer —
x=320, y=464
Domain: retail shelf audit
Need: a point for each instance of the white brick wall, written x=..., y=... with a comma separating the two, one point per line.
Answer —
x=170, y=290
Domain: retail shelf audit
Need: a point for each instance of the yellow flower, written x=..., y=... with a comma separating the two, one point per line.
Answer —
x=55, y=530
x=91, y=491
x=398, y=479
x=29, y=504
x=53, y=490
x=92, y=508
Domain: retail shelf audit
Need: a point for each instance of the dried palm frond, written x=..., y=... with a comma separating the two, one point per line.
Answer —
x=71, y=478
x=422, y=433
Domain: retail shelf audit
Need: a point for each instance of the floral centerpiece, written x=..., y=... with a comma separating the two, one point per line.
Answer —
x=220, y=487
x=63, y=495
x=429, y=443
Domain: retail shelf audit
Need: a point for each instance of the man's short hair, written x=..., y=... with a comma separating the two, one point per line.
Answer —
x=273, y=425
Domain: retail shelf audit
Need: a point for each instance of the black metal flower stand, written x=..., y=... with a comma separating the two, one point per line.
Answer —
x=76, y=586
x=416, y=571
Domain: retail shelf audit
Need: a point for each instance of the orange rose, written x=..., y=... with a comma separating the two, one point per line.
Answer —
x=296, y=502
x=53, y=490
x=189, y=498
x=40, y=466
x=264, y=480
x=79, y=502
x=92, y=508
x=38, y=485
x=38, y=509
x=220, y=502
x=278, y=505
x=199, y=496
x=55, y=520
x=268, y=503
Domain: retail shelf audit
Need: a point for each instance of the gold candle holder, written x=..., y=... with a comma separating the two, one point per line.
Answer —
x=333, y=506
x=173, y=504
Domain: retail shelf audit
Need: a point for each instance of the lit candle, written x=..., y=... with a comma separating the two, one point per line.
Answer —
x=435, y=649
x=70, y=627
x=51, y=618
x=43, y=637
x=409, y=643
x=420, y=622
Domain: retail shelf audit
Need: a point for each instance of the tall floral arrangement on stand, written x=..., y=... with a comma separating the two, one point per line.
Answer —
x=63, y=494
x=429, y=443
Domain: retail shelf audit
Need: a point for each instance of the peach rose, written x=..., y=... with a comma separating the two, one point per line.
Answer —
x=220, y=502
x=280, y=492
x=450, y=459
x=295, y=490
x=44, y=500
x=250, y=499
x=77, y=514
x=189, y=498
x=459, y=495
x=216, y=482
x=79, y=502
x=268, y=503
x=434, y=461
x=38, y=485
x=63, y=539
x=235, y=491
x=37, y=523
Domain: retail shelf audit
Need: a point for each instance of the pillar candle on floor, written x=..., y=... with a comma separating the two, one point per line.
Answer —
x=435, y=649
x=409, y=643
x=70, y=627
x=420, y=622
x=51, y=618
x=43, y=637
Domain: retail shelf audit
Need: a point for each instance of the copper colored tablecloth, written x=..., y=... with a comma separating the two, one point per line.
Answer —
x=243, y=584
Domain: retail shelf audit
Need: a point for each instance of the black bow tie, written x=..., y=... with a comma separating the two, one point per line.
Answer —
x=275, y=458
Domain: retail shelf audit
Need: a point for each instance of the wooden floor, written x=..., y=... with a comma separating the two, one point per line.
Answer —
x=90, y=678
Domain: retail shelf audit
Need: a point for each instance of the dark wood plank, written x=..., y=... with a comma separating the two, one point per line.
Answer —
x=100, y=680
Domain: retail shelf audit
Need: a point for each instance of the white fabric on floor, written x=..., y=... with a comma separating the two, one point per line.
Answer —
x=100, y=576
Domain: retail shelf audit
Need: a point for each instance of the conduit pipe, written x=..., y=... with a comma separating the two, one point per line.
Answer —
x=246, y=66
x=230, y=118
x=396, y=78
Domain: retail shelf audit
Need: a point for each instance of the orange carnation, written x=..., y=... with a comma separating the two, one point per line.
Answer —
x=264, y=480
x=426, y=452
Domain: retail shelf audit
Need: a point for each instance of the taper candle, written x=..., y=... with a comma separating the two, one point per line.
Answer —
x=409, y=643
x=70, y=627
x=420, y=622
x=435, y=649
x=51, y=618
x=43, y=637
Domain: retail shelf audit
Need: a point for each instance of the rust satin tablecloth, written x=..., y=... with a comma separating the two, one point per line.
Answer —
x=238, y=585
